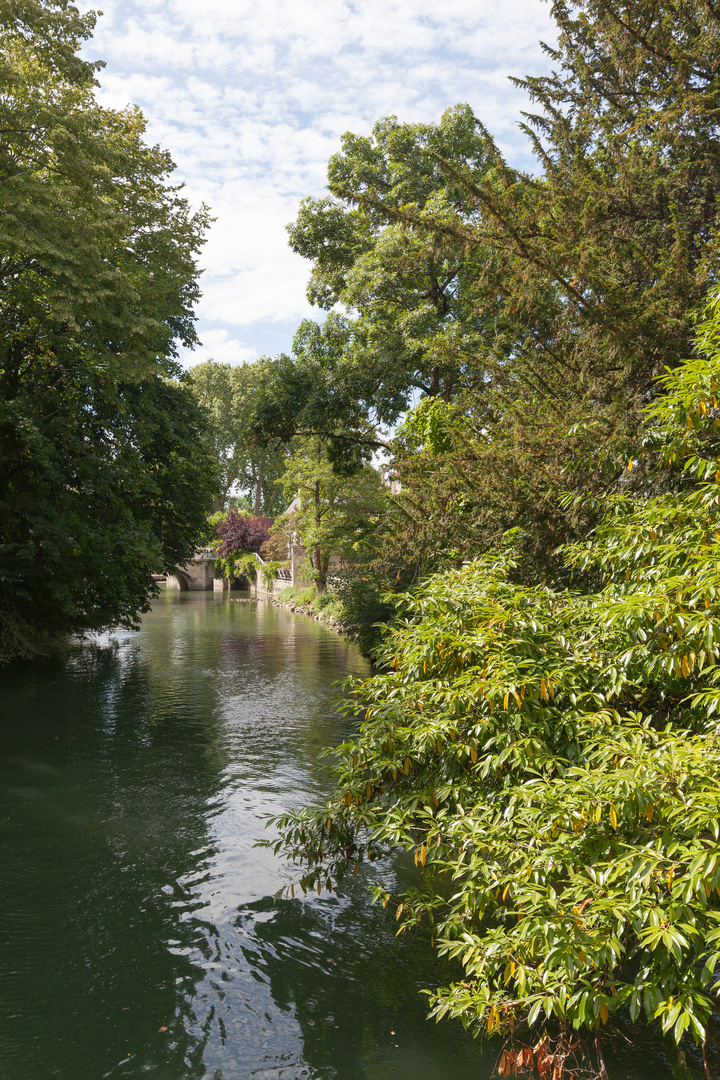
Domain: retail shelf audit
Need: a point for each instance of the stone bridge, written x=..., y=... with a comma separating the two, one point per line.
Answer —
x=197, y=575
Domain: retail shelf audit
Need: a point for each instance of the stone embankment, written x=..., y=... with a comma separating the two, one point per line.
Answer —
x=319, y=616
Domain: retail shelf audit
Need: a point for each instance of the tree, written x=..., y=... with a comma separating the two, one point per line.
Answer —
x=242, y=533
x=314, y=394
x=412, y=286
x=532, y=304
x=102, y=479
x=555, y=754
x=335, y=513
x=246, y=464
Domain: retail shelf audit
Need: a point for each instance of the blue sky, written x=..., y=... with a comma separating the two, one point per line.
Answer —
x=251, y=98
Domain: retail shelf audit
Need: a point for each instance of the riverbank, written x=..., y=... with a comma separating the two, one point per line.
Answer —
x=305, y=602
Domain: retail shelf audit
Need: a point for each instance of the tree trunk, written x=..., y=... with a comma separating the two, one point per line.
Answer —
x=319, y=569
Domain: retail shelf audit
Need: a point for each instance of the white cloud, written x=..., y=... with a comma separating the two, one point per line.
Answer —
x=251, y=99
x=220, y=346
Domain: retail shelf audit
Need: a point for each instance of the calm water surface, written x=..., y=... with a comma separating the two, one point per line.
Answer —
x=140, y=932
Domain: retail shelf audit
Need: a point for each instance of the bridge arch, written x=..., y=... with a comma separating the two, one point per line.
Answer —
x=180, y=579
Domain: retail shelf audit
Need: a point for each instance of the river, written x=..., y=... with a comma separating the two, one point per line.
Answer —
x=141, y=936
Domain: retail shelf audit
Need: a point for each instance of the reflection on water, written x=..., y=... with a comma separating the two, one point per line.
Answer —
x=140, y=934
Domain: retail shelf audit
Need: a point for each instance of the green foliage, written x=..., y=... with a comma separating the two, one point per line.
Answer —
x=238, y=564
x=361, y=610
x=336, y=513
x=103, y=485
x=103, y=478
x=269, y=571
x=229, y=397
x=315, y=393
x=98, y=250
x=377, y=248
x=551, y=758
x=532, y=305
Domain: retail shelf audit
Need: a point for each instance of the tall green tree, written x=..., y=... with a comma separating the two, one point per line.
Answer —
x=247, y=465
x=411, y=286
x=534, y=304
x=334, y=514
x=102, y=479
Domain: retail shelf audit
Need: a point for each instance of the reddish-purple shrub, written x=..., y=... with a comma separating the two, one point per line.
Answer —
x=241, y=533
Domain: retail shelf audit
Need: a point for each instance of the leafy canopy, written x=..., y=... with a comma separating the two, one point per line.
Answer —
x=103, y=479
x=248, y=465
x=531, y=304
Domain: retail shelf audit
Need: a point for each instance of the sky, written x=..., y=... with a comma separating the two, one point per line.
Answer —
x=252, y=98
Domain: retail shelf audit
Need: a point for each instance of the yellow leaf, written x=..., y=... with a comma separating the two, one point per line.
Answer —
x=319, y=888
x=506, y=891
x=506, y=699
x=348, y=798
x=630, y=465
x=604, y=1013
x=473, y=754
x=292, y=891
x=399, y=912
x=368, y=791
x=543, y=690
x=355, y=872
x=406, y=766
x=423, y=855
x=613, y=817
x=649, y=813
x=491, y=1018
x=329, y=824
x=439, y=747
x=671, y=875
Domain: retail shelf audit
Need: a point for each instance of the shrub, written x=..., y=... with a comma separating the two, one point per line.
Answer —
x=241, y=532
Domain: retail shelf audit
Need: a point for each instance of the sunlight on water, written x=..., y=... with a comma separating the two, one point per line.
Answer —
x=141, y=934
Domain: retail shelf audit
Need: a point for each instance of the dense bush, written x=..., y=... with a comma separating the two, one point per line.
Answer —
x=551, y=758
x=241, y=532
x=361, y=609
